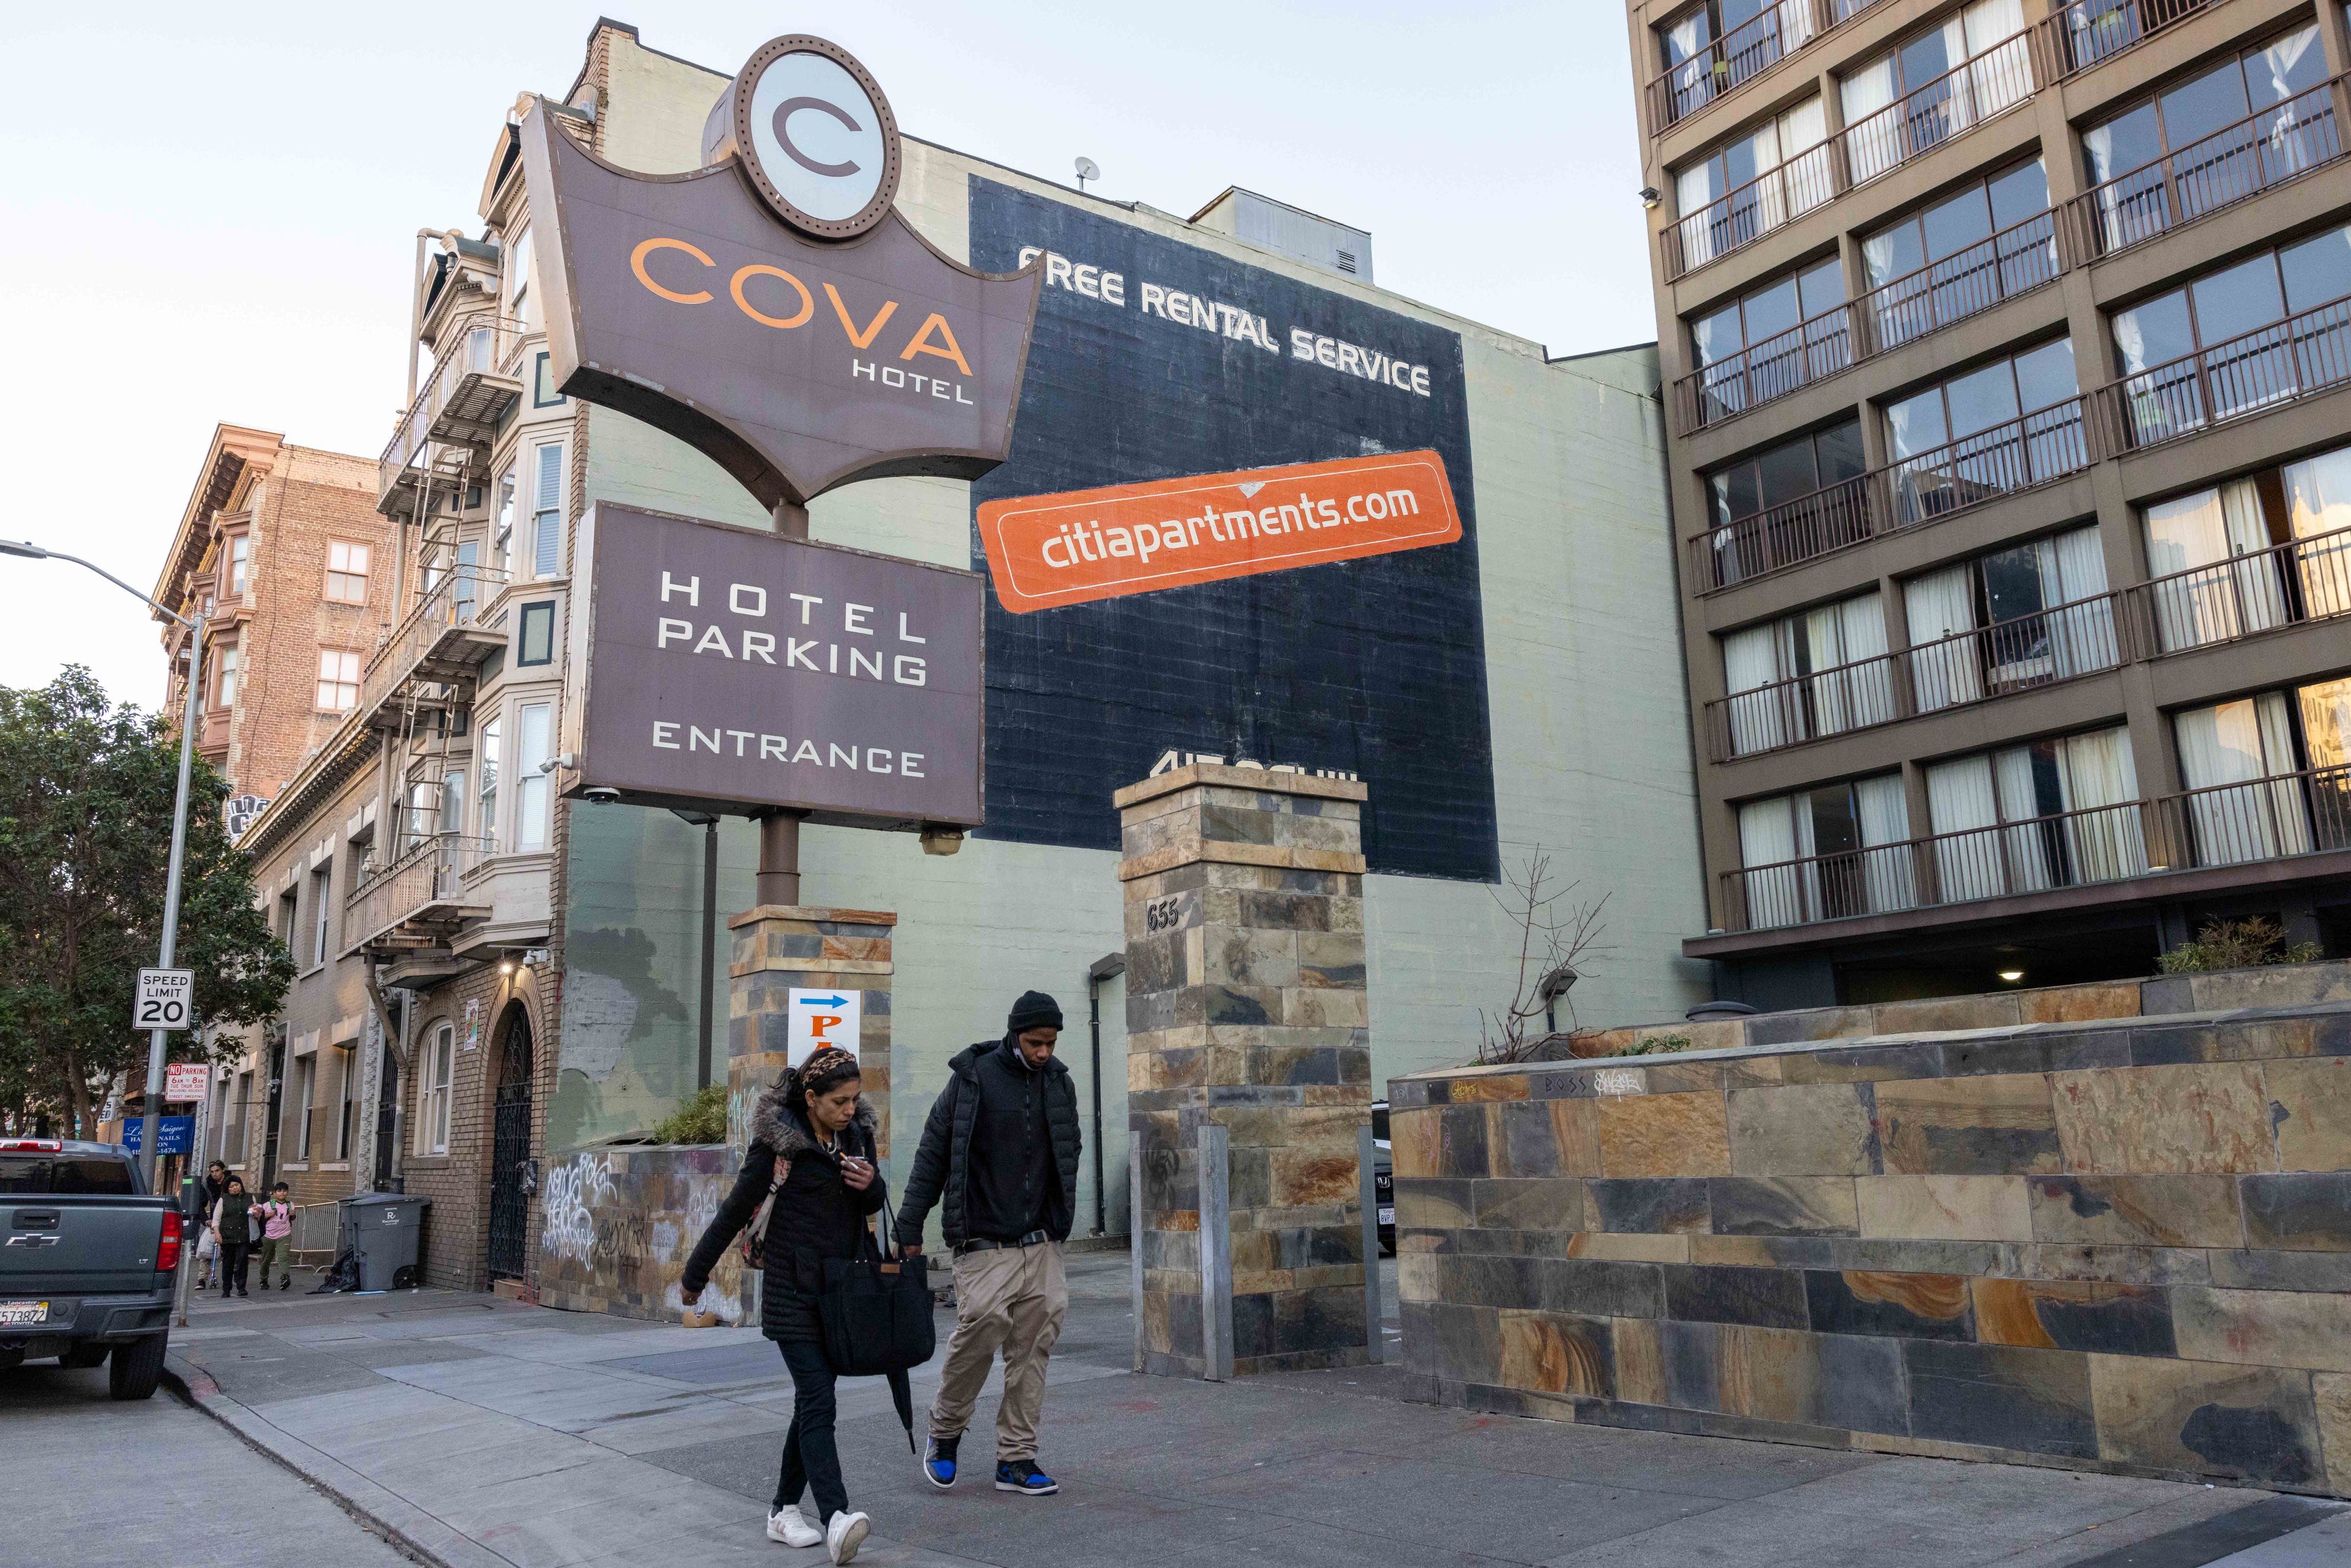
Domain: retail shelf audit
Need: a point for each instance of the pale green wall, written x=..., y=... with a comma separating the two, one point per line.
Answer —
x=1591, y=732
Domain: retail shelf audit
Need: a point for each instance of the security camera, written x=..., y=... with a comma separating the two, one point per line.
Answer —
x=602, y=794
x=564, y=760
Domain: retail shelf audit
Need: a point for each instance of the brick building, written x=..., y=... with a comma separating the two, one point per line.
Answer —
x=282, y=548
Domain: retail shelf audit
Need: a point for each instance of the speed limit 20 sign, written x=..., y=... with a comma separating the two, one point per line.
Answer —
x=166, y=998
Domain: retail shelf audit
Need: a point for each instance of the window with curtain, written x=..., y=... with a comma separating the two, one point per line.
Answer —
x=2214, y=581
x=1819, y=672
x=486, y=816
x=453, y=801
x=2003, y=427
x=2326, y=741
x=2050, y=813
x=1826, y=853
x=2257, y=330
x=339, y=680
x=2317, y=494
x=1964, y=254
x=522, y=278
x=547, y=511
x=2024, y=616
x=1754, y=348
x=1934, y=85
x=240, y=553
x=502, y=525
x=224, y=675
x=533, y=734
x=2214, y=138
x=1712, y=48
x=1801, y=491
x=1753, y=183
x=433, y=1091
x=2237, y=758
x=346, y=572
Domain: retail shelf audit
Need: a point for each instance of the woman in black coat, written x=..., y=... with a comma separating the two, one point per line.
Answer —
x=812, y=1144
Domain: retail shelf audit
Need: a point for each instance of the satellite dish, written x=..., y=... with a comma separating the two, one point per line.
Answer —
x=1088, y=170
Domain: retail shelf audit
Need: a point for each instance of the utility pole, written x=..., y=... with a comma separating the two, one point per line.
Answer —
x=157, y=1038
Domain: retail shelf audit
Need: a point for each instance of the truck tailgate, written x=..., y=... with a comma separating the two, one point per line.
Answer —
x=73, y=1245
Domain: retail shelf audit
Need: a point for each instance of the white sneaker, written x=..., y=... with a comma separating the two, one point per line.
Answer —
x=788, y=1525
x=844, y=1535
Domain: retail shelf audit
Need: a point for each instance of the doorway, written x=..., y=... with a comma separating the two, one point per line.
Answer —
x=510, y=1149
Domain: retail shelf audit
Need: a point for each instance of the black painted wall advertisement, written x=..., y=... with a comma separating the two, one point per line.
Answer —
x=1153, y=359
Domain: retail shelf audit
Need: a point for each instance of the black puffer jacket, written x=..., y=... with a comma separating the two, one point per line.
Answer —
x=942, y=1172
x=815, y=1216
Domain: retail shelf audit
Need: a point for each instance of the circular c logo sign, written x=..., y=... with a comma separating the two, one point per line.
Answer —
x=817, y=138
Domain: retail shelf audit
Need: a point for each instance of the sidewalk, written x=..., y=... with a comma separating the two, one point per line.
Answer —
x=492, y=1434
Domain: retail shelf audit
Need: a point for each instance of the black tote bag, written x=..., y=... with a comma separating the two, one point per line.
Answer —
x=876, y=1311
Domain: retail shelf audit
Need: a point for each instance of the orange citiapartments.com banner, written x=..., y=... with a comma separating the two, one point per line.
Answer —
x=1050, y=550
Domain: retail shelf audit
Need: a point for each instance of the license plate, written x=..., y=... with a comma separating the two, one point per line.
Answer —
x=18, y=1313
x=1387, y=1217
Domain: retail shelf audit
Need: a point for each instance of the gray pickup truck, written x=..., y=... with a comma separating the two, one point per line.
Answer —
x=86, y=1257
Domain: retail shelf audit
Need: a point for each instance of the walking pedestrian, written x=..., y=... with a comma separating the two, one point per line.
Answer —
x=1000, y=1153
x=233, y=1225
x=208, y=1191
x=275, y=1218
x=807, y=1185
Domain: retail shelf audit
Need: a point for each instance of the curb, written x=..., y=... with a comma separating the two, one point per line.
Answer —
x=409, y=1529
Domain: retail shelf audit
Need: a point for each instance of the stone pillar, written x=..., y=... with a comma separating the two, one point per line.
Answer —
x=1247, y=1007
x=780, y=947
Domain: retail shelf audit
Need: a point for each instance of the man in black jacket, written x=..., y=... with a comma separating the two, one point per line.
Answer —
x=1001, y=1150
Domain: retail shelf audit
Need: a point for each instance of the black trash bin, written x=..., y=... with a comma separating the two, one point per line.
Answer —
x=384, y=1231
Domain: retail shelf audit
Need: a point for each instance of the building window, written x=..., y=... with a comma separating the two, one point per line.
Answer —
x=1753, y=183
x=1994, y=240
x=2268, y=775
x=240, y=1106
x=2005, y=426
x=1827, y=852
x=301, y=1114
x=290, y=924
x=533, y=737
x=502, y=537
x=433, y=1091
x=2215, y=349
x=224, y=675
x=1820, y=672
x=542, y=383
x=322, y=910
x=453, y=801
x=1787, y=502
x=339, y=680
x=346, y=572
x=2253, y=554
x=239, y=549
x=486, y=819
x=1973, y=65
x=547, y=511
x=1712, y=48
x=1772, y=339
x=536, y=645
x=346, y=1098
x=2016, y=617
x=522, y=295
x=2259, y=118
x=2050, y=813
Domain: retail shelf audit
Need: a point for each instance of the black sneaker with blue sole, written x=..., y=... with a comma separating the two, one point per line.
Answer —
x=1020, y=1476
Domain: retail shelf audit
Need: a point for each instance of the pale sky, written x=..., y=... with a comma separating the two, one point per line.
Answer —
x=210, y=212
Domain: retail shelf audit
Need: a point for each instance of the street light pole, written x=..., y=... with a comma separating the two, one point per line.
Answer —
x=157, y=1041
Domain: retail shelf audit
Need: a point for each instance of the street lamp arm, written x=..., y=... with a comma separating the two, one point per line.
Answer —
x=34, y=552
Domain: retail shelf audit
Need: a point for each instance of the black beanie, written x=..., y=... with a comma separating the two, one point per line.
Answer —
x=1035, y=1009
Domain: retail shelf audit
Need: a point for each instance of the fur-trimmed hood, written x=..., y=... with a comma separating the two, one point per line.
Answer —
x=784, y=1127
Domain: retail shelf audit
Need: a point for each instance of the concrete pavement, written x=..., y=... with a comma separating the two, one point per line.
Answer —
x=488, y=1434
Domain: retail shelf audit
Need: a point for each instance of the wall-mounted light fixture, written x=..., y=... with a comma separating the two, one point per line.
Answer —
x=1651, y=195
x=2012, y=975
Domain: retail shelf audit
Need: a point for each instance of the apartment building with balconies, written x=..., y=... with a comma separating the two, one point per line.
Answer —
x=2008, y=364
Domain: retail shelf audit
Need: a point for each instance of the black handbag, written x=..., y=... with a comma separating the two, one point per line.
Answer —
x=876, y=1310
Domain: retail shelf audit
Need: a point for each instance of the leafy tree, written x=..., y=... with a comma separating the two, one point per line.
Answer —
x=86, y=796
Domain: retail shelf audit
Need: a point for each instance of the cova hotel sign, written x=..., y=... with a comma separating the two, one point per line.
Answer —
x=775, y=311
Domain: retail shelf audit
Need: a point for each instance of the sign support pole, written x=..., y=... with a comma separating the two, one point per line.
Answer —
x=157, y=1038
x=1375, y=1340
x=778, y=879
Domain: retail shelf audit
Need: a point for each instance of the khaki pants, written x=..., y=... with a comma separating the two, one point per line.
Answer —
x=1014, y=1298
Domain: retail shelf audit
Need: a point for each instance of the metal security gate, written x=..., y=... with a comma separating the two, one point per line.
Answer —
x=510, y=1151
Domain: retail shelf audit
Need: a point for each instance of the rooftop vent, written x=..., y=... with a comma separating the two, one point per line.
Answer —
x=1289, y=231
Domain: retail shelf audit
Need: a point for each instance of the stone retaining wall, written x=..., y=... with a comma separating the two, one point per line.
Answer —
x=620, y=1224
x=2119, y=1246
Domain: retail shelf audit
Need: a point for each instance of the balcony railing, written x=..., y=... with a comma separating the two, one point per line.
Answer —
x=1742, y=54
x=419, y=898
x=2231, y=165
x=2042, y=649
x=1743, y=216
x=2261, y=591
x=1989, y=85
x=2262, y=370
x=457, y=411
x=2090, y=32
x=2017, y=260
x=441, y=639
x=2025, y=453
x=2276, y=818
